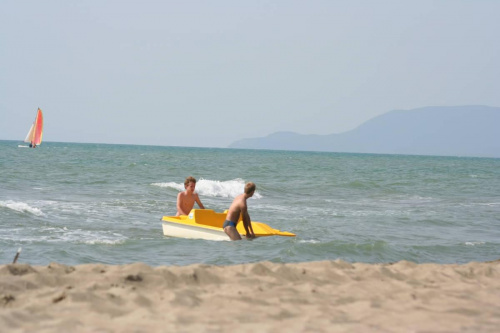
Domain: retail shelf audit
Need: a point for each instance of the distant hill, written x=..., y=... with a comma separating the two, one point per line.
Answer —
x=442, y=131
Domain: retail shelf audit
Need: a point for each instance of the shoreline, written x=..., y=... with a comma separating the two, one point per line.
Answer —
x=320, y=296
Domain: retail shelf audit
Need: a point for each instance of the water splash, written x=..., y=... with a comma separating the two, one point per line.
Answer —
x=21, y=207
x=213, y=188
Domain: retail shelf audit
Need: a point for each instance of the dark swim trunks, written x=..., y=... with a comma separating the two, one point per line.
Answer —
x=228, y=224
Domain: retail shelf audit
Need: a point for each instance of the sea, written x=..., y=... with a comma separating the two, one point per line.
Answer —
x=76, y=203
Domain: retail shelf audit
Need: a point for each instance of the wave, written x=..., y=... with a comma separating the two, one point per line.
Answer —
x=21, y=207
x=474, y=243
x=66, y=235
x=309, y=241
x=213, y=188
x=490, y=204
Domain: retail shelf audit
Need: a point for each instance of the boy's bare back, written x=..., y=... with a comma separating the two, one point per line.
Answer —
x=238, y=206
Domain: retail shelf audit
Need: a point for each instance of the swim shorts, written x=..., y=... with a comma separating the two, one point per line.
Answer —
x=228, y=224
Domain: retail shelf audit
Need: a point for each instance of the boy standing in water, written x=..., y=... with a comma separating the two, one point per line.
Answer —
x=239, y=208
x=187, y=198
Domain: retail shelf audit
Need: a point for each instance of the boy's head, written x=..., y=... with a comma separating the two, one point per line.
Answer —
x=189, y=180
x=250, y=188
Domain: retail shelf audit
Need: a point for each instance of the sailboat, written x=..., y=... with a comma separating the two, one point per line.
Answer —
x=35, y=133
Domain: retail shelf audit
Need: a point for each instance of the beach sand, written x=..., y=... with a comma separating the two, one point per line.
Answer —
x=326, y=296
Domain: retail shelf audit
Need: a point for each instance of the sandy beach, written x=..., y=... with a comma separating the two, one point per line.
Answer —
x=326, y=296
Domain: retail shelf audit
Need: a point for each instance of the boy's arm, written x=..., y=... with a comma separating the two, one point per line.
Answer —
x=251, y=229
x=247, y=223
x=198, y=201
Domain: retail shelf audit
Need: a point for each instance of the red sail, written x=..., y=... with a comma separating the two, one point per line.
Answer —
x=38, y=130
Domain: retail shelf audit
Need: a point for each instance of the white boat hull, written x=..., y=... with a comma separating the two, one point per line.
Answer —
x=186, y=231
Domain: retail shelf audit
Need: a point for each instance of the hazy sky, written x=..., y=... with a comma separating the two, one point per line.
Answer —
x=207, y=73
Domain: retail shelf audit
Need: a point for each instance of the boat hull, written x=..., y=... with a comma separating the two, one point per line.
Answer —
x=173, y=229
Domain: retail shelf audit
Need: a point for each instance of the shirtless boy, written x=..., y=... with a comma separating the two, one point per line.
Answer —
x=186, y=199
x=239, y=208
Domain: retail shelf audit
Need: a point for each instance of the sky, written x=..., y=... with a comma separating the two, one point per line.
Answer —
x=208, y=73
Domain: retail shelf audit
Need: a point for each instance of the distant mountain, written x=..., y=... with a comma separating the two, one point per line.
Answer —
x=442, y=131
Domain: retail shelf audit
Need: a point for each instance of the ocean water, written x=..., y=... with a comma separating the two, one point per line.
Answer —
x=94, y=203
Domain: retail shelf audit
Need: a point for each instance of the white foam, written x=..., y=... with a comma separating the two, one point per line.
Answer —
x=490, y=204
x=91, y=237
x=310, y=241
x=473, y=243
x=21, y=207
x=175, y=186
x=213, y=188
x=104, y=241
x=63, y=235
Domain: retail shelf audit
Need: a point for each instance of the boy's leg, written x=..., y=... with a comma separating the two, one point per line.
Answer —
x=232, y=233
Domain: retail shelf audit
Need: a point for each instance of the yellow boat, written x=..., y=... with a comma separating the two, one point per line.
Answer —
x=207, y=224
